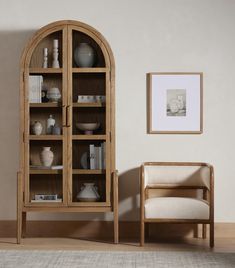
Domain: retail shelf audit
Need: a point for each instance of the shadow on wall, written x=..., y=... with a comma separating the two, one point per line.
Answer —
x=129, y=191
x=11, y=47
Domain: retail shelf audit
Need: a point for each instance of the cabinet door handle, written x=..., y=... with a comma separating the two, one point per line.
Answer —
x=68, y=118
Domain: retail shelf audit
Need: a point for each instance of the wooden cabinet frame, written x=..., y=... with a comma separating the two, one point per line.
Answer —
x=31, y=64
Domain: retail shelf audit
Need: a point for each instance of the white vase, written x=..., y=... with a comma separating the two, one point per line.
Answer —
x=88, y=193
x=37, y=128
x=84, y=55
x=50, y=124
x=46, y=157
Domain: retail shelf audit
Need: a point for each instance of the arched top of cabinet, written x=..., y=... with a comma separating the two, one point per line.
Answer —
x=69, y=34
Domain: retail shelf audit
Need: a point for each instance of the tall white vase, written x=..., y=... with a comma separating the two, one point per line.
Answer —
x=46, y=157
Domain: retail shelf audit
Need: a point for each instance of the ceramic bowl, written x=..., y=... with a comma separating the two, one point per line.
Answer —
x=88, y=128
x=53, y=94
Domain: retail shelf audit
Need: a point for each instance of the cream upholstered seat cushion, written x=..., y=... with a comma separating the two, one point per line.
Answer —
x=176, y=208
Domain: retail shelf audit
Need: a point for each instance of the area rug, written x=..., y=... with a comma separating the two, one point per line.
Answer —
x=113, y=259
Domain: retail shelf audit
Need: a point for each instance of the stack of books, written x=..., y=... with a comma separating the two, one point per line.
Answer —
x=97, y=156
x=35, y=88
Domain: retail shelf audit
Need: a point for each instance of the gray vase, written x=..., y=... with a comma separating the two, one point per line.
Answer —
x=84, y=55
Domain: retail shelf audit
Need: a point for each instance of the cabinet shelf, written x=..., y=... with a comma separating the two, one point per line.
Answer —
x=89, y=104
x=45, y=105
x=45, y=137
x=45, y=171
x=89, y=137
x=88, y=171
x=45, y=70
x=89, y=70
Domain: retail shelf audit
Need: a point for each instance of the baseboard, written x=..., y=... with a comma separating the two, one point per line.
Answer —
x=104, y=229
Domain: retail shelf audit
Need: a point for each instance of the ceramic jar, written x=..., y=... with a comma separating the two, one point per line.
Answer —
x=46, y=157
x=56, y=130
x=88, y=193
x=53, y=94
x=84, y=55
x=37, y=128
x=50, y=124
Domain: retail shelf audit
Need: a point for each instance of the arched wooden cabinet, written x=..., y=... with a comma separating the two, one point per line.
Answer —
x=71, y=148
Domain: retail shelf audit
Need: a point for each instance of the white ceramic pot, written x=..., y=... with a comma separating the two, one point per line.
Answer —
x=53, y=94
x=84, y=55
x=46, y=157
x=88, y=193
x=50, y=124
x=37, y=128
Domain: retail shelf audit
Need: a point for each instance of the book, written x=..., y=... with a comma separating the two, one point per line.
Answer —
x=92, y=156
x=97, y=157
x=43, y=167
x=100, y=160
x=103, y=153
x=35, y=88
x=46, y=201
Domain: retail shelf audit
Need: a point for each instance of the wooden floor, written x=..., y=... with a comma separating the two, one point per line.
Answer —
x=192, y=244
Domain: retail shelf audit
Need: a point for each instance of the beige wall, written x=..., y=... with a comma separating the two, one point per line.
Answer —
x=146, y=36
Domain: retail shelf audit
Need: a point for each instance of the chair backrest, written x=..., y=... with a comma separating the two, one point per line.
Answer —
x=181, y=174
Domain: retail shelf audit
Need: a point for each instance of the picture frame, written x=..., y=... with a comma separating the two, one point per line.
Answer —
x=175, y=103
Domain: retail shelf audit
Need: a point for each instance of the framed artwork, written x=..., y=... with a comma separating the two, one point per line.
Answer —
x=175, y=102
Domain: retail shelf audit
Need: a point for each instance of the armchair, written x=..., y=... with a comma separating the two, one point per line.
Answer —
x=177, y=209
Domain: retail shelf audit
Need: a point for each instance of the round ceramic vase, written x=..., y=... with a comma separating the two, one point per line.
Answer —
x=37, y=128
x=88, y=193
x=84, y=55
x=46, y=156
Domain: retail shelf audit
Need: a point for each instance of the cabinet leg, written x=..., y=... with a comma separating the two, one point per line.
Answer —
x=24, y=217
x=115, y=208
x=19, y=207
x=19, y=227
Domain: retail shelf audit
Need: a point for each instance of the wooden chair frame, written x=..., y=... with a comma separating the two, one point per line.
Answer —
x=208, y=197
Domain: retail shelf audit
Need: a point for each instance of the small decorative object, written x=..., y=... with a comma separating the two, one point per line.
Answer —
x=45, y=57
x=88, y=193
x=84, y=161
x=175, y=103
x=46, y=156
x=100, y=99
x=44, y=94
x=84, y=55
x=46, y=197
x=53, y=94
x=86, y=99
x=37, y=128
x=50, y=124
x=55, y=62
x=56, y=130
x=88, y=128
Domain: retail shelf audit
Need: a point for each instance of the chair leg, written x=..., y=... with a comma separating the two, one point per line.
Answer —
x=146, y=231
x=204, y=231
x=196, y=231
x=212, y=243
x=142, y=232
